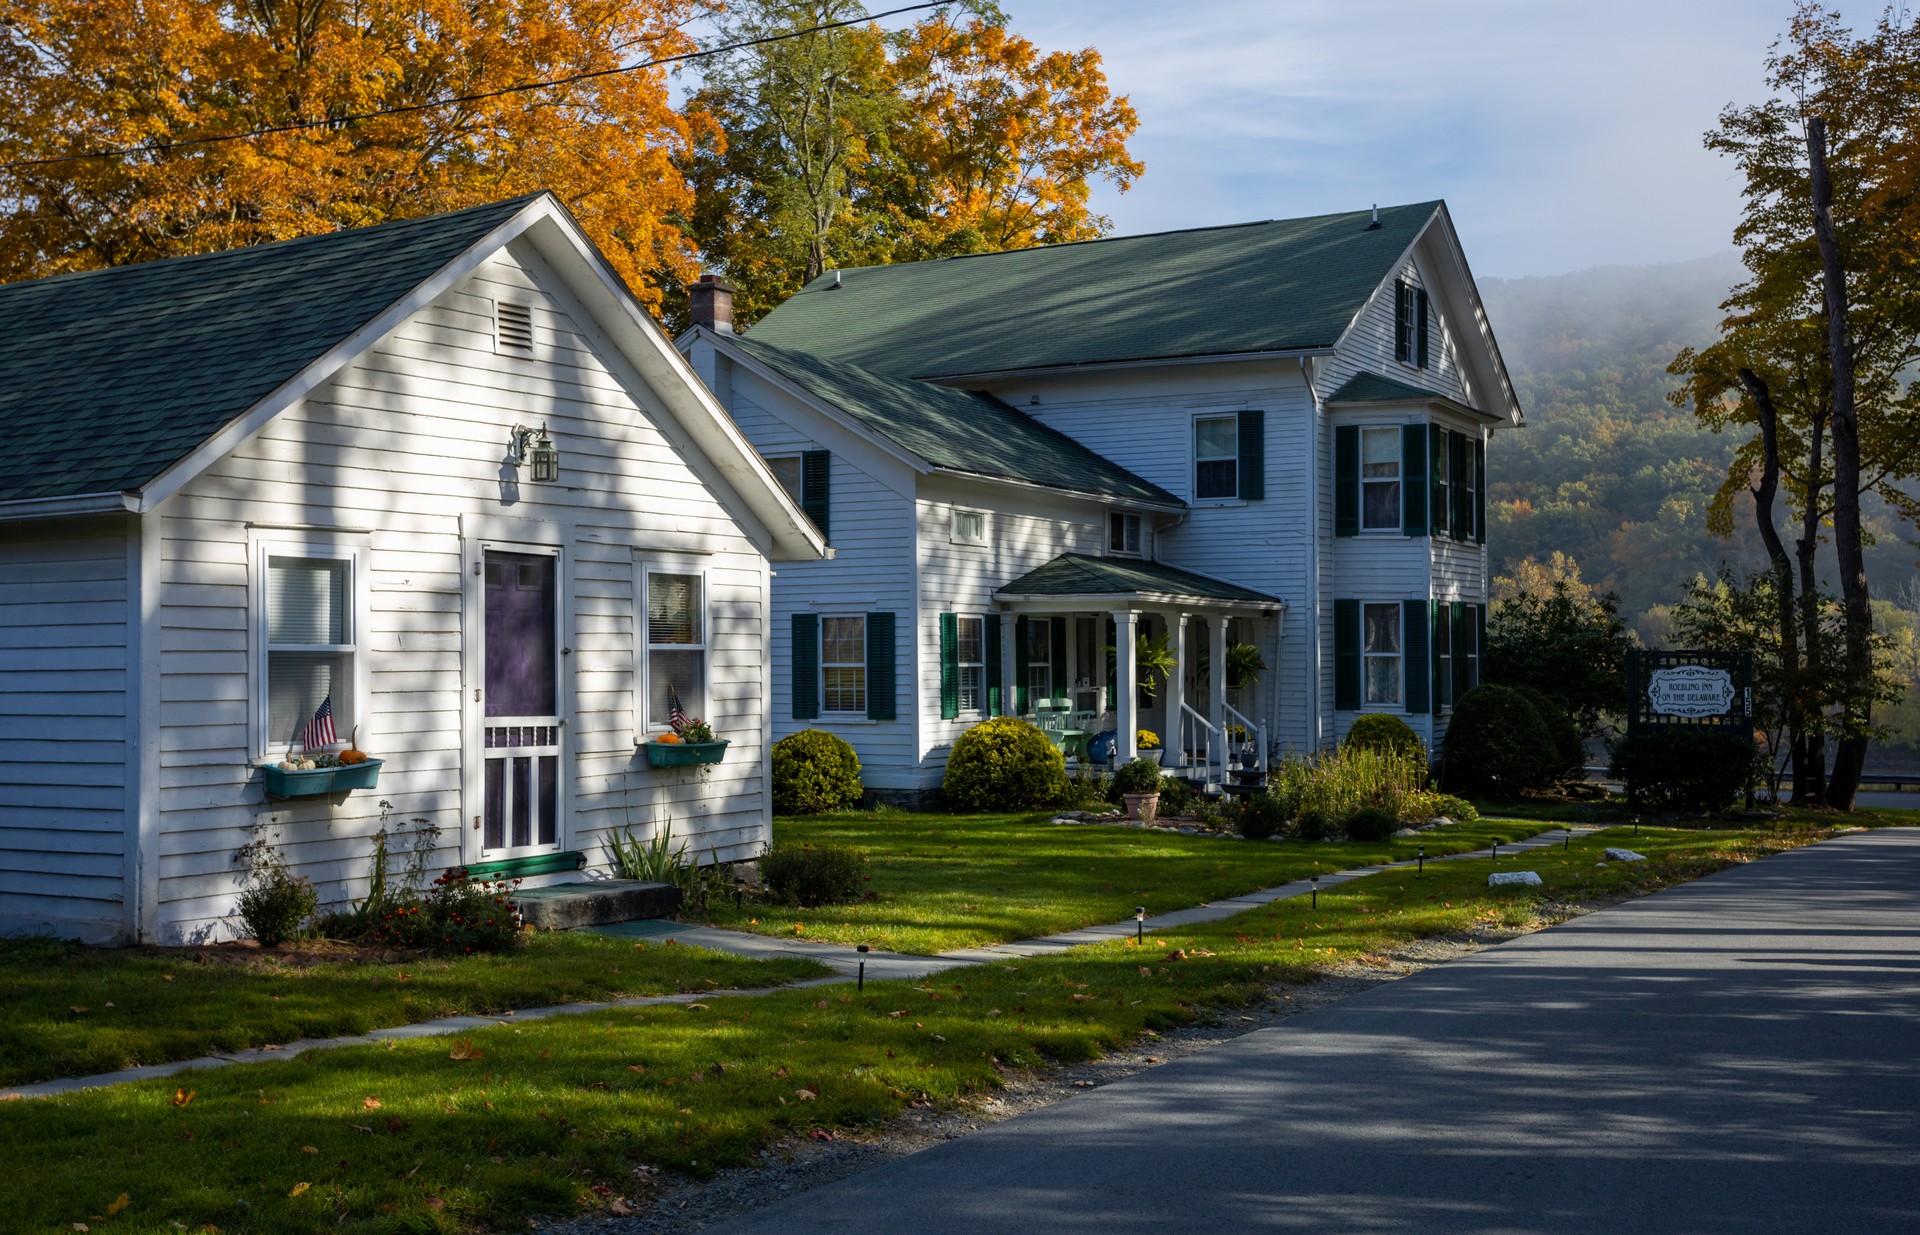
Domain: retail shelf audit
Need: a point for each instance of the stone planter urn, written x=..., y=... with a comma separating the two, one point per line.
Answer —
x=1141, y=806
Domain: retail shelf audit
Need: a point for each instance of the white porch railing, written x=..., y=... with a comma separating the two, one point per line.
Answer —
x=1256, y=735
x=1196, y=733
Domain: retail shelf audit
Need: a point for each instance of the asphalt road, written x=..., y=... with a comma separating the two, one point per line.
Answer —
x=1734, y=1055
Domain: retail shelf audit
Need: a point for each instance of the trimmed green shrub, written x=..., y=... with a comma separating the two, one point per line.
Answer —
x=275, y=908
x=1497, y=745
x=1383, y=731
x=1259, y=816
x=1176, y=796
x=1570, y=753
x=1312, y=825
x=1417, y=808
x=1372, y=824
x=1686, y=767
x=1140, y=776
x=814, y=772
x=810, y=875
x=1005, y=764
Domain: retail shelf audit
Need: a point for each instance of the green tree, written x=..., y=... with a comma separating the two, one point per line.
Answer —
x=1571, y=648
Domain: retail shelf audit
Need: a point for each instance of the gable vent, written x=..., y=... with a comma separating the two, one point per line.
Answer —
x=513, y=328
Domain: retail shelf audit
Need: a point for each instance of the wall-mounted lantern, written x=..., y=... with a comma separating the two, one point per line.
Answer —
x=535, y=447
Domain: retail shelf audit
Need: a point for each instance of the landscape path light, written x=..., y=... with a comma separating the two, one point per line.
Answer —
x=1422, y=869
x=1139, y=924
x=1316, y=891
x=861, y=983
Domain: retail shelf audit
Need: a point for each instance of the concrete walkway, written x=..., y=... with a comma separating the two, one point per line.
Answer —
x=841, y=957
x=1732, y=1055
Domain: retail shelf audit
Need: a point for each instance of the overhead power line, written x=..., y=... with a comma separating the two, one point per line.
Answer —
x=333, y=122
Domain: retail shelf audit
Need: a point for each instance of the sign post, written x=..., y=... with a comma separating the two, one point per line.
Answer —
x=1667, y=689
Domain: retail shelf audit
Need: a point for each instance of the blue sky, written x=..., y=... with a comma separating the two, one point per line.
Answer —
x=1563, y=135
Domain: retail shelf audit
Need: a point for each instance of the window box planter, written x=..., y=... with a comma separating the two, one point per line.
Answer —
x=684, y=754
x=321, y=782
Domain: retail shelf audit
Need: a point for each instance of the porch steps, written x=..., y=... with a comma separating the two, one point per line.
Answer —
x=599, y=902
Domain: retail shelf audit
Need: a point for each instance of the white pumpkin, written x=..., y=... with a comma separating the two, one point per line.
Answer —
x=306, y=765
x=288, y=765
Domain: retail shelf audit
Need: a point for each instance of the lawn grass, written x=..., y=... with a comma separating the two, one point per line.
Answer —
x=75, y=1011
x=1613, y=810
x=942, y=882
x=555, y=1117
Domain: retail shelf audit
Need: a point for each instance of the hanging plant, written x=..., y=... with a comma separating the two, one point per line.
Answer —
x=1153, y=656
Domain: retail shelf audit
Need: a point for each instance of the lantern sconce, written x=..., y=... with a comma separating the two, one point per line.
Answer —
x=535, y=446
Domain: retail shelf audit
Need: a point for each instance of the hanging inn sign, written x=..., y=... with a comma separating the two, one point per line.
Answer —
x=1689, y=688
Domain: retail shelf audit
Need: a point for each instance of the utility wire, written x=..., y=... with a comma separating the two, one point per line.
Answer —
x=527, y=87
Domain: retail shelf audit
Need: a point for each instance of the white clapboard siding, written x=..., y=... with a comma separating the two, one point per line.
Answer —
x=398, y=449
x=1368, y=345
x=63, y=729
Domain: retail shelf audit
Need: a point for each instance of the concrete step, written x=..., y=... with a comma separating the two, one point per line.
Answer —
x=599, y=902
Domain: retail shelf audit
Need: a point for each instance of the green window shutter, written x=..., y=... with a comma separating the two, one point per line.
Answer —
x=1413, y=479
x=1346, y=655
x=1420, y=328
x=990, y=646
x=1021, y=704
x=1059, y=674
x=806, y=666
x=1346, y=480
x=1413, y=638
x=1436, y=486
x=1253, y=456
x=1400, y=341
x=1480, y=491
x=1463, y=639
x=949, y=666
x=880, y=682
x=1461, y=525
x=1479, y=640
x=1442, y=614
x=816, y=473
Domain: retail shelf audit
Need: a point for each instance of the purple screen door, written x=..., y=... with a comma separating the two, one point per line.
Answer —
x=522, y=722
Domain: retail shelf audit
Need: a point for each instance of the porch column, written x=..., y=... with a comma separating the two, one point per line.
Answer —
x=1176, y=688
x=1126, y=677
x=1217, y=673
x=1007, y=686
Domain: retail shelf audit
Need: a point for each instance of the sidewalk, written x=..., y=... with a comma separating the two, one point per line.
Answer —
x=880, y=966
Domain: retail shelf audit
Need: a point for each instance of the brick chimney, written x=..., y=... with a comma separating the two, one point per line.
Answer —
x=711, y=298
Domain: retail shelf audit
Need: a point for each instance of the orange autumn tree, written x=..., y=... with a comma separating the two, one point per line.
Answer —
x=159, y=75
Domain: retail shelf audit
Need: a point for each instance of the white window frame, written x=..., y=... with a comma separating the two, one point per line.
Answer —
x=1043, y=663
x=1441, y=481
x=642, y=645
x=1412, y=324
x=1398, y=658
x=861, y=665
x=954, y=520
x=1123, y=521
x=1232, y=418
x=351, y=548
x=1443, y=659
x=1399, y=481
x=979, y=667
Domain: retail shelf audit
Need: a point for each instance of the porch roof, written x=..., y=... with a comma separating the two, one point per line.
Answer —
x=1109, y=581
x=1368, y=388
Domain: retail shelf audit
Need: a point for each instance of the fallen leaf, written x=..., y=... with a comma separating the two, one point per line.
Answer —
x=938, y=1038
x=994, y=1012
x=1145, y=972
x=619, y=1208
x=119, y=1203
x=805, y=1095
x=464, y=1050
x=897, y=1015
x=636, y=1067
x=109, y=1003
x=820, y=1134
x=309, y=1149
x=434, y=1202
x=76, y=1008
x=821, y=1003
x=182, y=1096
x=1081, y=998
x=370, y=1104
x=81, y=1226
x=696, y=1007
x=366, y=1128
x=300, y=1187
x=166, y=977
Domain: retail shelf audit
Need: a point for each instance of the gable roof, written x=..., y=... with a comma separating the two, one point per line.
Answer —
x=110, y=377
x=1076, y=574
x=1283, y=285
x=1365, y=387
x=952, y=430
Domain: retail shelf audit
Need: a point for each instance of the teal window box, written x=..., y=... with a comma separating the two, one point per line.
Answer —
x=321, y=782
x=684, y=754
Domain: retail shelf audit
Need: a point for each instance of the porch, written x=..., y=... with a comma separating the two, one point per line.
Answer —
x=1071, y=630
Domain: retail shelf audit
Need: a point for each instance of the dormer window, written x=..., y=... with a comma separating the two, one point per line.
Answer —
x=1410, y=324
x=1124, y=535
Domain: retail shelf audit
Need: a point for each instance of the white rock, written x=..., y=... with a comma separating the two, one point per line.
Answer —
x=1503, y=879
x=1406, y=832
x=1626, y=855
x=1439, y=821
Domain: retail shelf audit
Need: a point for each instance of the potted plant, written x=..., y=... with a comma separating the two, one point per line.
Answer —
x=688, y=742
x=315, y=774
x=1154, y=658
x=1147, y=742
x=1138, y=784
x=1244, y=665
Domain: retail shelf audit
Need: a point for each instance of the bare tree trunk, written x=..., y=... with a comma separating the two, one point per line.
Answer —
x=1856, y=600
x=1763, y=498
x=1805, y=548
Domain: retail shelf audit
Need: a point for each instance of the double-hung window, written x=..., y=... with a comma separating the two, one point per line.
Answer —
x=676, y=646
x=1381, y=653
x=1216, y=457
x=310, y=644
x=1124, y=534
x=1443, y=653
x=1380, y=479
x=1039, y=659
x=1440, y=448
x=843, y=664
x=970, y=647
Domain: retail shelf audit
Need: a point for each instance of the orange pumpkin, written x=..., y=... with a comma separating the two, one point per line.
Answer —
x=350, y=756
x=668, y=739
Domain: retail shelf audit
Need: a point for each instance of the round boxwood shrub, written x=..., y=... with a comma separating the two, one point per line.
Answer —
x=1497, y=745
x=1139, y=776
x=1690, y=767
x=1259, y=816
x=1176, y=796
x=1384, y=732
x=1570, y=752
x=1371, y=824
x=1005, y=764
x=794, y=873
x=814, y=772
x=1312, y=825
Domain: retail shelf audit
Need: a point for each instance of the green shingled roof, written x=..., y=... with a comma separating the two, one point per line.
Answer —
x=1074, y=574
x=1374, y=388
x=1255, y=287
x=109, y=377
x=956, y=430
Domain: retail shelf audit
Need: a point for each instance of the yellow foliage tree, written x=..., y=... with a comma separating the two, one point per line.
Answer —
x=166, y=78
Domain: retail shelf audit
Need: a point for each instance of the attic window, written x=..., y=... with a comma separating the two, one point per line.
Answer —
x=513, y=328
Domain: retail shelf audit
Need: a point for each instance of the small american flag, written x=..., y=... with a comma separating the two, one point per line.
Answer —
x=320, y=729
x=676, y=715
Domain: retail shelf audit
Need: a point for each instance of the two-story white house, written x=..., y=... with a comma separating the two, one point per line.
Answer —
x=1270, y=435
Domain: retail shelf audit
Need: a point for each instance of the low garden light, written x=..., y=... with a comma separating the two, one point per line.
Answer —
x=1139, y=923
x=1422, y=869
x=533, y=446
x=1316, y=891
x=860, y=984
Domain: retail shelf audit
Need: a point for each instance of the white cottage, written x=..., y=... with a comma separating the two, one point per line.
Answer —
x=1263, y=440
x=443, y=475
